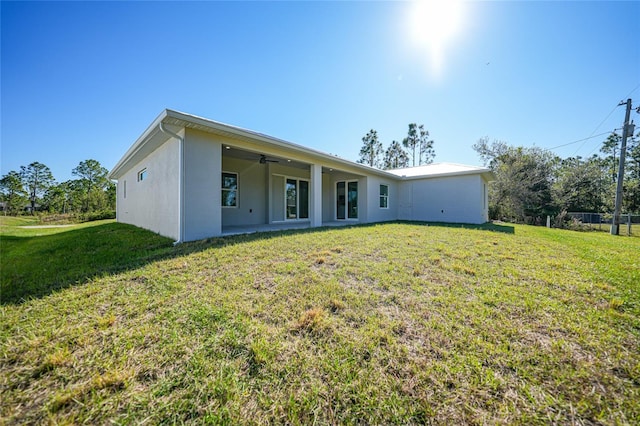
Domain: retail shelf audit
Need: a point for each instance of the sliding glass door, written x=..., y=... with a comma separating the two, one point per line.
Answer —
x=352, y=200
x=303, y=199
x=342, y=201
x=297, y=199
x=347, y=200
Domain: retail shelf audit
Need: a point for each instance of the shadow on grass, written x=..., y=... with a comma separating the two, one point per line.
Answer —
x=490, y=226
x=36, y=266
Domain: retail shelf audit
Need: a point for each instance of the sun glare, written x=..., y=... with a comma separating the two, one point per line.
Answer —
x=434, y=23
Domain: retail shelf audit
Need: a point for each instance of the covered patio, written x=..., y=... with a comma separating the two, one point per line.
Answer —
x=267, y=191
x=251, y=229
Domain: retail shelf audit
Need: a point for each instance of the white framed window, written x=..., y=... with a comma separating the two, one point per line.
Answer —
x=229, y=190
x=384, y=196
x=142, y=174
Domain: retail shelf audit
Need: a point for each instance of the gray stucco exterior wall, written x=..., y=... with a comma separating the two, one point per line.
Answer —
x=458, y=199
x=179, y=195
x=202, y=186
x=152, y=203
x=375, y=212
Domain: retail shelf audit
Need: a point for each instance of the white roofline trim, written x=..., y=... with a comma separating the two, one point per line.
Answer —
x=218, y=127
x=488, y=173
x=463, y=169
x=270, y=140
x=153, y=128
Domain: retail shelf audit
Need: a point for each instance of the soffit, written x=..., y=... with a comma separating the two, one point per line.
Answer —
x=257, y=144
x=438, y=170
x=242, y=154
x=262, y=144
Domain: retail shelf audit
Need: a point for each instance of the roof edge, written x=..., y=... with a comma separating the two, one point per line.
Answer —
x=470, y=170
x=139, y=143
x=241, y=131
x=486, y=173
x=154, y=128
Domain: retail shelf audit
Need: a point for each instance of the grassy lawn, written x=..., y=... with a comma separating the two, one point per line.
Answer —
x=7, y=222
x=623, y=230
x=37, y=261
x=391, y=323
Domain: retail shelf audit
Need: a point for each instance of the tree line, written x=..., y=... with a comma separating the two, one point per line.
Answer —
x=532, y=183
x=419, y=149
x=34, y=188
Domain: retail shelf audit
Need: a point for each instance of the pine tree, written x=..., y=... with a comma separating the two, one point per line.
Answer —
x=13, y=192
x=395, y=157
x=371, y=149
x=37, y=178
x=418, y=139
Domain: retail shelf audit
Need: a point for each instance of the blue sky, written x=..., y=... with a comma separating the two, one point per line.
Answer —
x=83, y=80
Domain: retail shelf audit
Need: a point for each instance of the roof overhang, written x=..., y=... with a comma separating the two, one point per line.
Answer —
x=487, y=175
x=153, y=137
x=442, y=170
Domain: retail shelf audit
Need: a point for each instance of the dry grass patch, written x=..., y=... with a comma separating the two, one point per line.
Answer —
x=110, y=380
x=312, y=320
x=336, y=305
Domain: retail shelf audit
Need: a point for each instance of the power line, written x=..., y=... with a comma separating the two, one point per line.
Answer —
x=596, y=129
x=634, y=89
x=605, y=119
x=597, y=146
x=579, y=140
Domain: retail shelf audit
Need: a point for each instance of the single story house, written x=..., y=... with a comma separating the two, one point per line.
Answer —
x=190, y=178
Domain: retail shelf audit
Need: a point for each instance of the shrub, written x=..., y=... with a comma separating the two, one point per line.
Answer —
x=99, y=215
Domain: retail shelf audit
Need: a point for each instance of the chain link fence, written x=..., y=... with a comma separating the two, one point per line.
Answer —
x=629, y=223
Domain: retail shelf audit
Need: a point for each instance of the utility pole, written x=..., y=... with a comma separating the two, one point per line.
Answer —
x=615, y=224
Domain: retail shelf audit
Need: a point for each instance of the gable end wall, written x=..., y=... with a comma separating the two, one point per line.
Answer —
x=457, y=199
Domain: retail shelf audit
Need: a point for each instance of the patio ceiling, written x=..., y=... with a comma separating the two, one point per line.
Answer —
x=243, y=154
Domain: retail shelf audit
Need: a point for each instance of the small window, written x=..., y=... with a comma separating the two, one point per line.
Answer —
x=142, y=175
x=125, y=189
x=229, y=189
x=384, y=196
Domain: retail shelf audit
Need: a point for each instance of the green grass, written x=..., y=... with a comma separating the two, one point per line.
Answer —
x=623, y=229
x=37, y=261
x=392, y=323
x=6, y=222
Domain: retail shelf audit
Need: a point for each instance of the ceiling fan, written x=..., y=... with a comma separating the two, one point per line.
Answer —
x=263, y=160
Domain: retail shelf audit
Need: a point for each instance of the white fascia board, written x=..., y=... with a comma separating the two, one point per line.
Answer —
x=430, y=171
x=135, y=148
x=330, y=160
x=487, y=174
x=270, y=140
